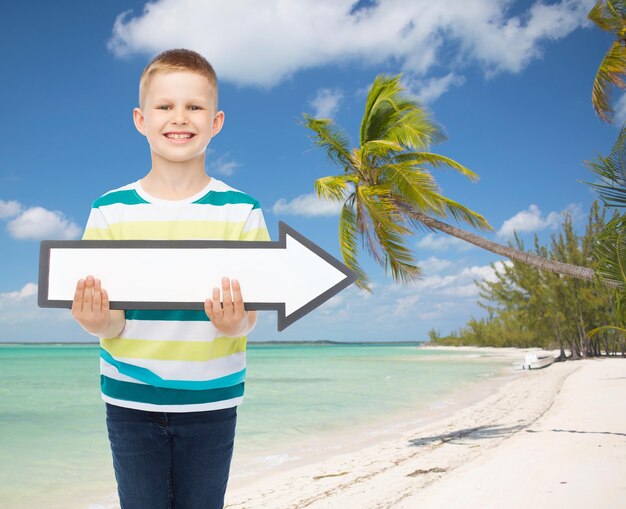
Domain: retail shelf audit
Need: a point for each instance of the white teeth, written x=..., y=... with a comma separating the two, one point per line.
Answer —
x=178, y=136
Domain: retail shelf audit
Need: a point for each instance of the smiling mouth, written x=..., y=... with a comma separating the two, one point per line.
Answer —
x=179, y=136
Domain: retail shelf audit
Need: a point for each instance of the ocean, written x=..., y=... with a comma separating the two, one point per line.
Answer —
x=54, y=451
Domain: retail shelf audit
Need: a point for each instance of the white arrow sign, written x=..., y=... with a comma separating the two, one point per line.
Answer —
x=292, y=276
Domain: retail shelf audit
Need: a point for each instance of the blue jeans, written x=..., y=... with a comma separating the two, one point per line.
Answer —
x=171, y=460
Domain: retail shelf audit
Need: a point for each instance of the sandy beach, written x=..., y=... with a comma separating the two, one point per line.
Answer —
x=553, y=438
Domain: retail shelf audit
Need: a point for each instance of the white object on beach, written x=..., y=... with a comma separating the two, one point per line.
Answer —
x=536, y=360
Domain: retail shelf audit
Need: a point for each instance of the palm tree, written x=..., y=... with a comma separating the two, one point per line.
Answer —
x=386, y=186
x=609, y=15
x=610, y=248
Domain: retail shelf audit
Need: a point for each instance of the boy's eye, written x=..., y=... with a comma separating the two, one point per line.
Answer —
x=164, y=106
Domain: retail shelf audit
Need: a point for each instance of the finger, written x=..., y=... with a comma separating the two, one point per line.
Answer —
x=97, y=297
x=237, y=298
x=226, y=296
x=208, y=309
x=217, y=307
x=88, y=295
x=77, y=304
x=105, y=301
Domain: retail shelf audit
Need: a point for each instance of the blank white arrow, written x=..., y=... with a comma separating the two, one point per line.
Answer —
x=293, y=275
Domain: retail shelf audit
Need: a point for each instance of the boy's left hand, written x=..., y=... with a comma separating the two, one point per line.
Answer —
x=231, y=319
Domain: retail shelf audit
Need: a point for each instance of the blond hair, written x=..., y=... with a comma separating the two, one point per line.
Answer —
x=172, y=60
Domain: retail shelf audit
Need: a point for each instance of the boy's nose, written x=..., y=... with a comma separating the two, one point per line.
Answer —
x=180, y=116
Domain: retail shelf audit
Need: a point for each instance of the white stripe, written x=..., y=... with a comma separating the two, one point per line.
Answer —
x=111, y=371
x=132, y=185
x=96, y=220
x=200, y=407
x=254, y=221
x=190, y=370
x=123, y=213
x=168, y=330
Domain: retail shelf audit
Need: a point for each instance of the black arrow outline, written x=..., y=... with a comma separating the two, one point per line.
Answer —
x=283, y=230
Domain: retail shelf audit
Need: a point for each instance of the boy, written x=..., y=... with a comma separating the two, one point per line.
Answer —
x=172, y=380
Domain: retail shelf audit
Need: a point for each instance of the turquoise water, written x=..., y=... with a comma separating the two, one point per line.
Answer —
x=53, y=447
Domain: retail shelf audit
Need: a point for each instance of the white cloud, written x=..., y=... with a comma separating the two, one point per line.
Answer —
x=27, y=290
x=22, y=320
x=442, y=242
x=9, y=208
x=38, y=223
x=532, y=220
x=433, y=264
x=429, y=90
x=437, y=294
x=19, y=306
x=307, y=205
x=223, y=166
x=263, y=43
x=326, y=102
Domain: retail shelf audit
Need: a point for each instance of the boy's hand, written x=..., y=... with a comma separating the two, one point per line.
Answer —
x=90, y=308
x=231, y=319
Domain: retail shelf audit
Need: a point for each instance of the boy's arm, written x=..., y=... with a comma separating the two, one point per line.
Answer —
x=232, y=319
x=90, y=307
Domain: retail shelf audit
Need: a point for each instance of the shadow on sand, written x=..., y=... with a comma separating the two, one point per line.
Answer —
x=477, y=433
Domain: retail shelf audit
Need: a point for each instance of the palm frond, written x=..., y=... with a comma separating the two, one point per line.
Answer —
x=436, y=161
x=348, y=232
x=413, y=185
x=612, y=172
x=383, y=88
x=331, y=139
x=462, y=213
x=390, y=232
x=610, y=72
x=379, y=148
x=605, y=328
x=609, y=15
x=610, y=251
x=414, y=126
x=334, y=187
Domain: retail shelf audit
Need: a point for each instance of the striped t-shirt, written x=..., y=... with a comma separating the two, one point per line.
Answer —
x=174, y=361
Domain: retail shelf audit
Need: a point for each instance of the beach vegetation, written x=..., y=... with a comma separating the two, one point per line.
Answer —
x=530, y=308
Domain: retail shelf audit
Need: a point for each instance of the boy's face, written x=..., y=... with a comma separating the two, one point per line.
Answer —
x=179, y=102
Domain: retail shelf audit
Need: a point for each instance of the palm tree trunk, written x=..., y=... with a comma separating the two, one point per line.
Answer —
x=539, y=262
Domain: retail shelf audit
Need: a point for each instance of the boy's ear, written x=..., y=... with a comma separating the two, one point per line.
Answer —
x=139, y=121
x=218, y=122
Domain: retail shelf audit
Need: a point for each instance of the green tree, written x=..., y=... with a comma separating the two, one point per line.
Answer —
x=387, y=187
x=609, y=15
x=527, y=307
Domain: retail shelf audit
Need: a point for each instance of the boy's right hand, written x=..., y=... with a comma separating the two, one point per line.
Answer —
x=90, y=308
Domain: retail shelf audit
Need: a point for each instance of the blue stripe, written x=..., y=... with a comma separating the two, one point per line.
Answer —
x=159, y=396
x=151, y=378
x=226, y=198
x=126, y=197
x=178, y=315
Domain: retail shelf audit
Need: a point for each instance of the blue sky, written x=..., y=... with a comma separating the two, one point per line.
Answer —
x=509, y=81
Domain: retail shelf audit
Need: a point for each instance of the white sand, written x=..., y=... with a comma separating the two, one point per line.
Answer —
x=553, y=438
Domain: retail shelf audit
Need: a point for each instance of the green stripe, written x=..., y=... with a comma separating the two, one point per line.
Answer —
x=159, y=396
x=127, y=197
x=178, y=315
x=226, y=198
x=164, y=350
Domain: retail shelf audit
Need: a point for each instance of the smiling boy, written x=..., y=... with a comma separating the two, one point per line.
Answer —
x=172, y=380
